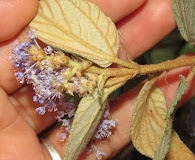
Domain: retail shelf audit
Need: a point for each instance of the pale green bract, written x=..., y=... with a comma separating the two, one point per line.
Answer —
x=85, y=122
x=79, y=27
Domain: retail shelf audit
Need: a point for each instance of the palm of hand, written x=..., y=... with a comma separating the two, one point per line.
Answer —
x=18, y=138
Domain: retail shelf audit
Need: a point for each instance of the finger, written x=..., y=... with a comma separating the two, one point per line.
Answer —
x=168, y=83
x=144, y=28
x=21, y=96
x=6, y=66
x=6, y=47
x=22, y=101
x=16, y=135
x=121, y=109
x=15, y=15
x=118, y=9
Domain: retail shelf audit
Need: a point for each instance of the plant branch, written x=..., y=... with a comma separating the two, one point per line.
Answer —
x=167, y=65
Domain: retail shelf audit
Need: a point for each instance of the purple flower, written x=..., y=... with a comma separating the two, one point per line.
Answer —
x=20, y=76
x=106, y=126
x=20, y=56
x=66, y=124
x=104, y=129
x=51, y=75
x=60, y=115
x=32, y=35
x=69, y=108
x=41, y=110
x=99, y=154
x=62, y=136
x=41, y=79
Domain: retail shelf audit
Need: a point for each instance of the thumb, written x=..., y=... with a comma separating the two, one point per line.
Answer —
x=15, y=15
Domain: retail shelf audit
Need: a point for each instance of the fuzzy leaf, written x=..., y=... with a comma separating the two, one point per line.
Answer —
x=178, y=150
x=85, y=122
x=148, y=119
x=166, y=138
x=79, y=27
x=184, y=11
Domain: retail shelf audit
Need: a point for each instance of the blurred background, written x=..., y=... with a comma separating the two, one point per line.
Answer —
x=169, y=48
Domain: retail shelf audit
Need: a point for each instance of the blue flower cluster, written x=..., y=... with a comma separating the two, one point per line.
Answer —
x=45, y=80
x=106, y=125
x=51, y=81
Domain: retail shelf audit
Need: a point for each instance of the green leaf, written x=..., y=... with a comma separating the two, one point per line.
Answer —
x=184, y=11
x=85, y=122
x=79, y=27
x=166, y=138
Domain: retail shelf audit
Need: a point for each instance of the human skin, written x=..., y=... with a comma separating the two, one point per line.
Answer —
x=141, y=24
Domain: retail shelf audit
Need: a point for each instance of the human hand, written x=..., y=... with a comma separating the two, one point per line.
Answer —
x=141, y=25
x=19, y=123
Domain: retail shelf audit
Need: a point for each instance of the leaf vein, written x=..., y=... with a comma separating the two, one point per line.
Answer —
x=94, y=24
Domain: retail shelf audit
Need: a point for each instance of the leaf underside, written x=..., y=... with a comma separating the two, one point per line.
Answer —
x=85, y=122
x=151, y=126
x=148, y=119
x=184, y=11
x=178, y=150
x=165, y=141
x=79, y=27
